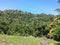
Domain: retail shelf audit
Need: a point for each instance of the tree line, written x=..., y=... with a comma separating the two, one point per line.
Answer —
x=16, y=22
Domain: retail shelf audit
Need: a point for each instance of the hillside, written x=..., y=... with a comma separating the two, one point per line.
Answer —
x=24, y=28
x=16, y=22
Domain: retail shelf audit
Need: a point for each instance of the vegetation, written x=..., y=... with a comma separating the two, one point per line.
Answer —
x=22, y=40
x=55, y=27
x=19, y=23
x=15, y=22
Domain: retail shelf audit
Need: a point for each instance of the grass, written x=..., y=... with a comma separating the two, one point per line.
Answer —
x=21, y=40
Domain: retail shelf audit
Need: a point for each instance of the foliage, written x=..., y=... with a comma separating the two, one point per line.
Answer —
x=55, y=29
x=15, y=22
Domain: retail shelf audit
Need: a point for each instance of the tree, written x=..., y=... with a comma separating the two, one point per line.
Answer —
x=58, y=1
x=55, y=28
x=16, y=22
x=58, y=10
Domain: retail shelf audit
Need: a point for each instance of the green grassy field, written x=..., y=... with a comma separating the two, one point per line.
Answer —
x=20, y=40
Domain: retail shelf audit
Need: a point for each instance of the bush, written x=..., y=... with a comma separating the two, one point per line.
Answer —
x=57, y=43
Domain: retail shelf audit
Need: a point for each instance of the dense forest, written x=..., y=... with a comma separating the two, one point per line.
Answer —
x=16, y=22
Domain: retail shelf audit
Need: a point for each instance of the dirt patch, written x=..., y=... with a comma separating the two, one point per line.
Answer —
x=3, y=42
x=44, y=42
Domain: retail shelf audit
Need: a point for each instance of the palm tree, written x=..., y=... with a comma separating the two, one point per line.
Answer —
x=58, y=1
x=58, y=10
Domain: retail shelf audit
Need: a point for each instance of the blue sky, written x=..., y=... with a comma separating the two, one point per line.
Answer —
x=33, y=6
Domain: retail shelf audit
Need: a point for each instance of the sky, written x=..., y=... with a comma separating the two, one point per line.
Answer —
x=33, y=6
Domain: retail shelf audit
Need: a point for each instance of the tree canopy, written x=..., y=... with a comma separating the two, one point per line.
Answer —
x=16, y=22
